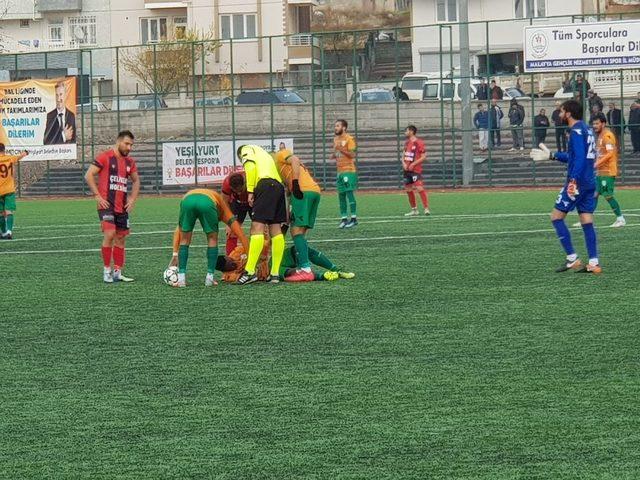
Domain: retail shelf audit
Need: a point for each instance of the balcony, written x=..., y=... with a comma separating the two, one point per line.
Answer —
x=303, y=49
x=54, y=6
x=159, y=4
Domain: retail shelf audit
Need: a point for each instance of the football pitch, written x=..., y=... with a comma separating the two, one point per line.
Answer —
x=456, y=352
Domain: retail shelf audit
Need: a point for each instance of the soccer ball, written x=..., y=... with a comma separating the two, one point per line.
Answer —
x=170, y=276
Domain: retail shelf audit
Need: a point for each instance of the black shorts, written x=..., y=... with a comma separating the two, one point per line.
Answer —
x=411, y=178
x=240, y=210
x=269, y=203
x=114, y=221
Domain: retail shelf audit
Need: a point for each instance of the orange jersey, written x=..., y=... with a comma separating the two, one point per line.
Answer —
x=224, y=215
x=7, y=172
x=240, y=259
x=345, y=143
x=283, y=162
x=607, y=158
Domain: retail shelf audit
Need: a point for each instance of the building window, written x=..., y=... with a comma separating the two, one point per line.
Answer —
x=238, y=26
x=447, y=10
x=24, y=23
x=153, y=30
x=179, y=27
x=56, y=33
x=530, y=8
x=82, y=31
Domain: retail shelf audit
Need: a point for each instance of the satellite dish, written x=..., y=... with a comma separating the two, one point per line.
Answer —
x=79, y=33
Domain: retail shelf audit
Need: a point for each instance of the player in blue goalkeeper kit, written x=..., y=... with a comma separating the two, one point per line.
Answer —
x=579, y=191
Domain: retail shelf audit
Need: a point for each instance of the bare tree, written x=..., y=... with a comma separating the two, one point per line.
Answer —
x=169, y=65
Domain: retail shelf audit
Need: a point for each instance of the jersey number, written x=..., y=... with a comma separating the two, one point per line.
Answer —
x=6, y=170
x=591, y=148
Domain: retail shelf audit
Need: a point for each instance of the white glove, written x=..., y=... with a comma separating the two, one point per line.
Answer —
x=540, y=154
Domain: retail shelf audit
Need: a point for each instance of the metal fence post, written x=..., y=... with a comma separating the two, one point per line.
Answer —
x=118, y=85
x=396, y=75
x=195, y=110
x=233, y=109
x=155, y=115
x=271, y=126
x=203, y=81
x=354, y=70
x=324, y=116
x=46, y=75
x=81, y=69
x=313, y=106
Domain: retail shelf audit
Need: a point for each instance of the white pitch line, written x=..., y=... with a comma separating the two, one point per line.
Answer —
x=330, y=221
x=327, y=240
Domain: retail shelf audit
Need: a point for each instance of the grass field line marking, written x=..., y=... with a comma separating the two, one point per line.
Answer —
x=326, y=240
x=329, y=221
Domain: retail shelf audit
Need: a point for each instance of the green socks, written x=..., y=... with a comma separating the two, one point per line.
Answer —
x=321, y=260
x=256, y=244
x=352, y=204
x=212, y=259
x=9, y=223
x=277, y=252
x=302, y=249
x=342, y=198
x=3, y=225
x=183, y=258
x=615, y=206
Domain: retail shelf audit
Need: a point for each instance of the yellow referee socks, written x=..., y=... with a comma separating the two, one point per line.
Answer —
x=256, y=245
x=277, y=252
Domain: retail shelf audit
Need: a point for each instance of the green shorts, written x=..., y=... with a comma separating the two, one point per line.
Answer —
x=305, y=210
x=8, y=202
x=198, y=207
x=347, y=182
x=606, y=186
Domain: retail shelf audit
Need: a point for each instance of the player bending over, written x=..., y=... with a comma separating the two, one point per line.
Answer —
x=234, y=193
x=267, y=199
x=207, y=207
x=344, y=153
x=414, y=156
x=607, y=166
x=579, y=191
x=114, y=168
x=305, y=199
x=7, y=191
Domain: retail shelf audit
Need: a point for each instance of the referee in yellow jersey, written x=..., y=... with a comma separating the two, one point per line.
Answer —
x=267, y=199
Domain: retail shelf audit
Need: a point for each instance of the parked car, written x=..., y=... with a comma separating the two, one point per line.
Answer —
x=95, y=106
x=213, y=101
x=261, y=97
x=139, y=102
x=373, y=95
x=450, y=89
x=513, y=92
x=413, y=84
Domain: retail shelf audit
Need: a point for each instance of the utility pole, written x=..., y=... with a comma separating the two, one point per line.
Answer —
x=465, y=95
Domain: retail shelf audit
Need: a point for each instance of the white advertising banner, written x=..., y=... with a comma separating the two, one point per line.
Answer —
x=582, y=46
x=215, y=159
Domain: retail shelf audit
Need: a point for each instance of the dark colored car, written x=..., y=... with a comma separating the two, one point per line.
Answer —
x=261, y=97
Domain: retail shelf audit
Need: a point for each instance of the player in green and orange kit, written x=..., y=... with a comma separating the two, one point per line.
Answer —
x=344, y=153
x=7, y=191
x=207, y=207
x=607, y=166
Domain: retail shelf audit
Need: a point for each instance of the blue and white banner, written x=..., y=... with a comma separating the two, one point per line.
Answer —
x=582, y=46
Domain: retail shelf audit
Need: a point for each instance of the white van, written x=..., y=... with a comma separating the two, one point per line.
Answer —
x=450, y=89
x=413, y=84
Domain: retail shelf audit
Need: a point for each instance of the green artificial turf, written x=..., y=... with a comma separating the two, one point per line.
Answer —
x=456, y=352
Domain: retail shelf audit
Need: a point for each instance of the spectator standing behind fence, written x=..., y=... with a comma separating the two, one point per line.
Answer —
x=541, y=124
x=614, y=121
x=516, y=119
x=400, y=94
x=595, y=111
x=594, y=101
x=560, y=128
x=634, y=124
x=495, y=91
x=482, y=92
x=481, y=121
x=495, y=116
x=581, y=85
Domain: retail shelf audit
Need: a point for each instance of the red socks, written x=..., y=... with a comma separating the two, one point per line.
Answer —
x=412, y=198
x=423, y=197
x=106, y=256
x=232, y=243
x=118, y=258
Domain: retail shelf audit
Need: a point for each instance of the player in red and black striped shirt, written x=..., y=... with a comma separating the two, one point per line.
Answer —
x=413, y=157
x=234, y=193
x=114, y=168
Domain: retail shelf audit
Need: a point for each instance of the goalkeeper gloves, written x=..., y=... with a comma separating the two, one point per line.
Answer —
x=541, y=154
x=295, y=190
x=572, y=189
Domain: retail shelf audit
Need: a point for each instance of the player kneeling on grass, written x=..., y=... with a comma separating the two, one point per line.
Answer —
x=305, y=199
x=114, y=168
x=207, y=207
x=607, y=166
x=7, y=192
x=268, y=203
x=414, y=156
x=579, y=191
